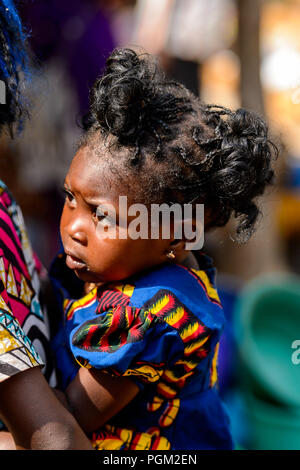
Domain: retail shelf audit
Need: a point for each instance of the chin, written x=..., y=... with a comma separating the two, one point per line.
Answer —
x=86, y=276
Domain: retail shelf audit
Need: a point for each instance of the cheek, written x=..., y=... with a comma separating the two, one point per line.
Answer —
x=115, y=259
x=63, y=222
x=112, y=258
x=107, y=251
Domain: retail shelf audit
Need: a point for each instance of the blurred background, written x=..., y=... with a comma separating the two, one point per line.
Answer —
x=229, y=52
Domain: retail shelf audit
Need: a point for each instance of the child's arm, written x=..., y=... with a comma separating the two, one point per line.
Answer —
x=35, y=417
x=95, y=396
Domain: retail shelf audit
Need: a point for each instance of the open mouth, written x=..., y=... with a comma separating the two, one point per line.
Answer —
x=74, y=263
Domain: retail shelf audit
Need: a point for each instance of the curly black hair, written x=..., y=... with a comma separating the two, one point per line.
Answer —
x=179, y=148
x=13, y=63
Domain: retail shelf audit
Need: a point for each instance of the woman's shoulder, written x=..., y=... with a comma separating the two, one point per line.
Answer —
x=15, y=247
x=12, y=222
x=6, y=198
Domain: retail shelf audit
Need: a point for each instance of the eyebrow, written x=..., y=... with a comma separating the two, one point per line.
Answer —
x=66, y=186
x=90, y=201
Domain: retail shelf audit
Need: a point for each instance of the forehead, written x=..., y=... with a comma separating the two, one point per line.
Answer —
x=93, y=173
x=101, y=170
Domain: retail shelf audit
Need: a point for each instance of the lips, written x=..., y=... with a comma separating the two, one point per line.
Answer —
x=73, y=262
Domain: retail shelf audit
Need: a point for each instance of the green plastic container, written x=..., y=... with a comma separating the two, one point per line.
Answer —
x=267, y=321
x=272, y=427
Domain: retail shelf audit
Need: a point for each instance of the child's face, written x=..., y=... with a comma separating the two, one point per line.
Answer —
x=94, y=257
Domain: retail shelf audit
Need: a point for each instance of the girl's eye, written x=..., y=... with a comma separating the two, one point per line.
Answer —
x=68, y=195
x=101, y=217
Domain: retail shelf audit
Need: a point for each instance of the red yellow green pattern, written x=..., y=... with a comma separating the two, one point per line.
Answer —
x=162, y=329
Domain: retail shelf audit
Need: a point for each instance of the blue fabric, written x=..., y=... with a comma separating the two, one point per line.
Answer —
x=161, y=329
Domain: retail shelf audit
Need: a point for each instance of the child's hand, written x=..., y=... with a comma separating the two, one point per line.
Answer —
x=88, y=286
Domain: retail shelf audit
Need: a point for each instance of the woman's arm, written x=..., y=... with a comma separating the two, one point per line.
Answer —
x=6, y=441
x=35, y=417
x=94, y=397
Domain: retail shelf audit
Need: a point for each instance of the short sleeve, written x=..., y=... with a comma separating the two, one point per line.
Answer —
x=127, y=341
x=17, y=352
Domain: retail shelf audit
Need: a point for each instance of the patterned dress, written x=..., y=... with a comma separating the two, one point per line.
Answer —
x=162, y=329
x=24, y=334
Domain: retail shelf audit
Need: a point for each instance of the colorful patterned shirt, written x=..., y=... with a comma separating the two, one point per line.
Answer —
x=161, y=328
x=24, y=334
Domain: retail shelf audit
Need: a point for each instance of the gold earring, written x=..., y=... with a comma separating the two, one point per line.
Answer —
x=171, y=254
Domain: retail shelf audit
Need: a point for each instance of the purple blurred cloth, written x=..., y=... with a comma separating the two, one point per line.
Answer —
x=77, y=31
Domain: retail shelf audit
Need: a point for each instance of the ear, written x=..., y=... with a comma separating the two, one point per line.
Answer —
x=186, y=238
x=176, y=251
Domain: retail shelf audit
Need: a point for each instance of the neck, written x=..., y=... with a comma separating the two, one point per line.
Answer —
x=190, y=261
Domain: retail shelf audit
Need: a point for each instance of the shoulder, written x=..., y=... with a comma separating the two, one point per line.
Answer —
x=174, y=287
x=13, y=232
x=7, y=201
x=8, y=206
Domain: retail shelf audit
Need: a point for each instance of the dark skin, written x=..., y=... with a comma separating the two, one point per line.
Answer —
x=93, y=397
x=35, y=417
x=103, y=257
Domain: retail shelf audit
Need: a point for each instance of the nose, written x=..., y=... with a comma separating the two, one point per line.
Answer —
x=76, y=229
x=79, y=237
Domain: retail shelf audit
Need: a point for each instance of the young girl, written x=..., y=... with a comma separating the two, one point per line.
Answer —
x=142, y=316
